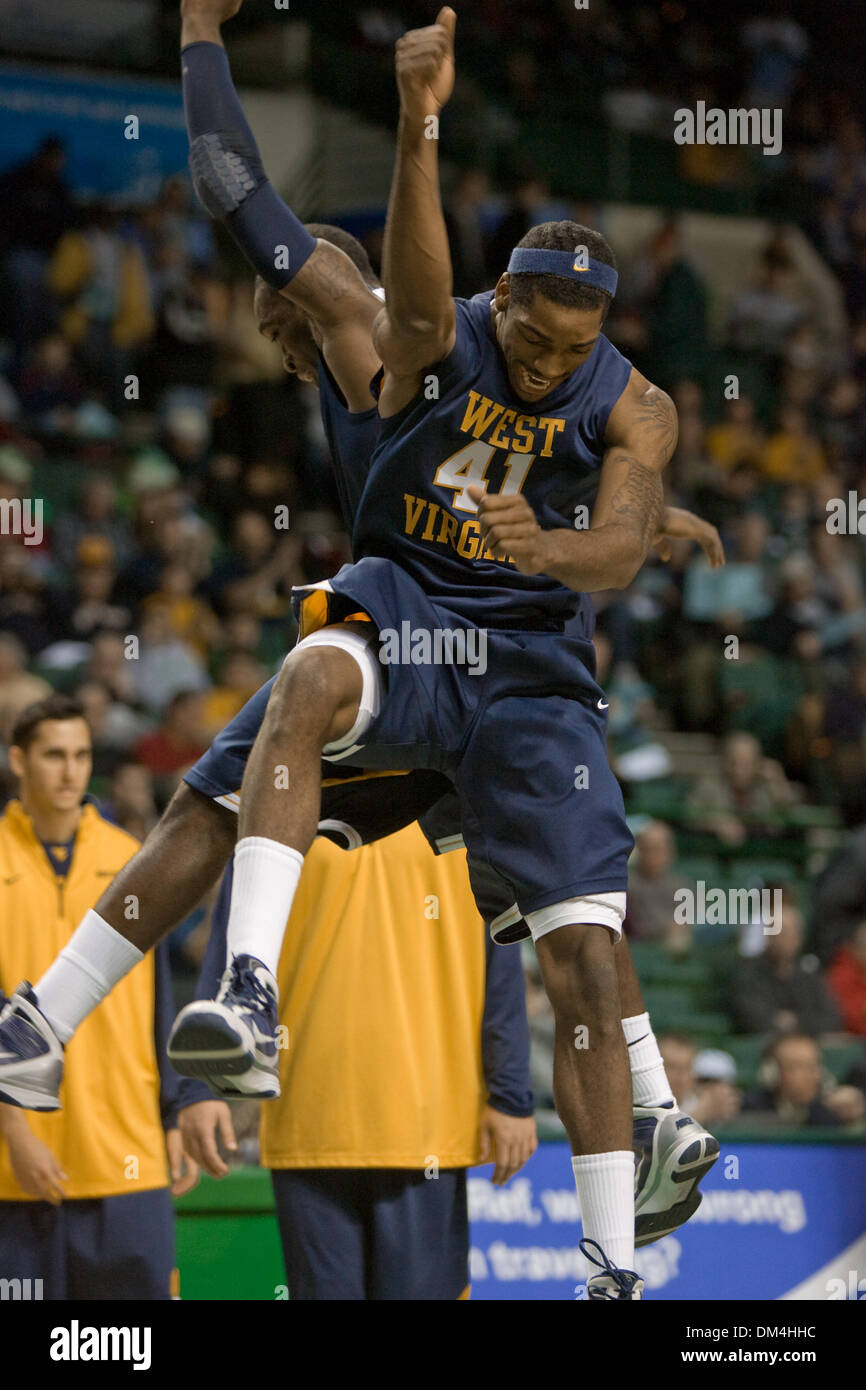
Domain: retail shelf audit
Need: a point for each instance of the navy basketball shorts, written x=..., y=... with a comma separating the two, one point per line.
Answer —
x=521, y=733
x=373, y=1233
x=118, y=1247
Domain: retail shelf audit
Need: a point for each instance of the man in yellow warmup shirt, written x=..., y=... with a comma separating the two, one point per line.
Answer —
x=85, y=1207
x=407, y=1062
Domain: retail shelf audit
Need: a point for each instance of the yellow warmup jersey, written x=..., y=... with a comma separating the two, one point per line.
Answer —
x=108, y=1136
x=381, y=979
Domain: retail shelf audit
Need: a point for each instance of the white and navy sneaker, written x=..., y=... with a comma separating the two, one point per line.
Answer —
x=614, y=1284
x=672, y=1153
x=231, y=1041
x=31, y=1054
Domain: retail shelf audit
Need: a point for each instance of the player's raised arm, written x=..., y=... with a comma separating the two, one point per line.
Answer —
x=629, y=510
x=231, y=183
x=417, y=326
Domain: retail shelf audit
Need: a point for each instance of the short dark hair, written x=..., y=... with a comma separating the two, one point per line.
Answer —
x=54, y=706
x=563, y=236
x=344, y=241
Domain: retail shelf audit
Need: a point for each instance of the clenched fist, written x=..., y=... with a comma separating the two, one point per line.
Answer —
x=509, y=528
x=425, y=66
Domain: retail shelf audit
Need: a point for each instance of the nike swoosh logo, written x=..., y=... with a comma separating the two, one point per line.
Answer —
x=602, y=704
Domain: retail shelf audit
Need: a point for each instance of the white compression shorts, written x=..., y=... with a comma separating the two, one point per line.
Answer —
x=363, y=649
x=604, y=909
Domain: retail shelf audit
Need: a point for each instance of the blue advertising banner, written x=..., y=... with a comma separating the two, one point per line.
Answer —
x=776, y=1222
x=110, y=155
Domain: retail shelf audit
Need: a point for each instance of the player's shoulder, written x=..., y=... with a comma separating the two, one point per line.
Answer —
x=645, y=410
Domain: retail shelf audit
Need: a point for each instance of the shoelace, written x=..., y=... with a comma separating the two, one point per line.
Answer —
x=246, y=982
x=622, y=1278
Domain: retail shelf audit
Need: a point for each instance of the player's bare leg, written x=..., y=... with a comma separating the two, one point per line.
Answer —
x=231, y=1041
x=591, y=1078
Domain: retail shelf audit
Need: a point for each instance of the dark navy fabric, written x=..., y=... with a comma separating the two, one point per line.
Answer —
x=516, y=741
x=373, y=1234
x=352, y=438
x=97, y=1248
x=466, y=424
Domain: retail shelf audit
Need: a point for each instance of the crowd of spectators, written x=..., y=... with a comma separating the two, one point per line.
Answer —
x=162, y=436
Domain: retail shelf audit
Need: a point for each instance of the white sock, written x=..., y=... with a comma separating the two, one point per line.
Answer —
x=266, y=876
x=649, y=1082
x=605, y=1190
x=92, y=963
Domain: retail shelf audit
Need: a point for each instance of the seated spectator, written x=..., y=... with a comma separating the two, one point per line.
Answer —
x=781, y=990
x=49, y=386
x=792, y=1085
x=793, y=454
x=131, y=803
x=846, y=978
x=95, y=514
x=737, y=591
x=165, y=665
x=738, y=438
x=240, y=678
x=750, y=794
x=189, y=618
x=87, y=608
x=651, y=888
x=114, y=726
x=717, y=1099
x=636, y=754
x=179, y=741
x=18, y=688
x=703, y=1083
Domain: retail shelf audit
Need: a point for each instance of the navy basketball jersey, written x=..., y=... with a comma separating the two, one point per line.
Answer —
x=352, y=438
x=466, y=426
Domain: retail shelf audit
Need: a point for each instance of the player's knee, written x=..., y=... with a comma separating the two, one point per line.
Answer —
x=315, y=692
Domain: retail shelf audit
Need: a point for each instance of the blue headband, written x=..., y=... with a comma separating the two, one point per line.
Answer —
x=531, y=260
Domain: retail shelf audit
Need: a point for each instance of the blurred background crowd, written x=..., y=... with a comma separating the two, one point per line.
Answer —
x=161, y=433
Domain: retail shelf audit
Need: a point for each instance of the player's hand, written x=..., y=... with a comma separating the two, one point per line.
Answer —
x=425, y=66
x=680, y=524
x=507, y=1141
x=200, y=1125
x=509, y=529
x=217, y=11
x=36, y=1169
x=182, y=1167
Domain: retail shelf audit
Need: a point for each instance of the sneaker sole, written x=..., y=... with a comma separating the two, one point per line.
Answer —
x=26, y=1099
x=686, y=1163
x=208, y=1048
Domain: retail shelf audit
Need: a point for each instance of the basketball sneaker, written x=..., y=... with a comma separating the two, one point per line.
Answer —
x=31, y=1054
x=231, y=1041
x=614, y=1284
x=672, y=1153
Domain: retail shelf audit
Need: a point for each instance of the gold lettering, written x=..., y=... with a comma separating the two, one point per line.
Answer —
x=480, y=412
x=494, y=439
x=552, y=427
x=448, y=529
x=427, y=533
x=469, y=540
x=523, y=429
x=414, y=508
